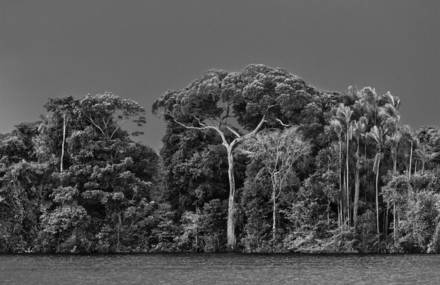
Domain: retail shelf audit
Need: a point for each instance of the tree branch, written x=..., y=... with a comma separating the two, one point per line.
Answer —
x=257, y=128
x=97, y=126
x=245, y=152
x=200, y=122
x=226, y=115
x=282, y=123
x=113, y=133
x=205, y=127
x=233, y=131
x=190, y=127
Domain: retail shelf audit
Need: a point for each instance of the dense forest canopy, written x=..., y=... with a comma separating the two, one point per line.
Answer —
x=256, y=160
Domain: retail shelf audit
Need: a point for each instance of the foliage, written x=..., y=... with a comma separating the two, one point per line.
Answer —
x=255, y=160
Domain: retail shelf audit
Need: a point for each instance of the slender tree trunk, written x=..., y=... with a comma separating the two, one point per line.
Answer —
x=274, y=215
x=357, y=186
x=394, y=223
x=339, y=214
x=394, y=202
x=347, y=176
x=231, y=240
x=119, y=232
x=341, y=191
x=328, y=212
x=377, y=197
x=410, y=161
x=385, y=226
x=63, y=143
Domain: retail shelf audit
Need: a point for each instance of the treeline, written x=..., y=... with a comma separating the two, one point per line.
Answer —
x=254, y=161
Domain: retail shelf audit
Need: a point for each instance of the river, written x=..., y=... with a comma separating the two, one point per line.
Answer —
x=219, y=269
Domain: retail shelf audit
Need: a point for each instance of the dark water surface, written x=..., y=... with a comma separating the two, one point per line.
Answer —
x=220, y=269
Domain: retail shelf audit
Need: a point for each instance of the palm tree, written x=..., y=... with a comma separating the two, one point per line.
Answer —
x=387, y=118
x=344, y=114
x=359, y=128
x=337, y=127
x=394, y=141
x=408, y=136
x=377, y=135
x=426, y=154
x=369, y=102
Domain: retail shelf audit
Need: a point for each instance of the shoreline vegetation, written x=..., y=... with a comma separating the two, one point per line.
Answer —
x=256, y=161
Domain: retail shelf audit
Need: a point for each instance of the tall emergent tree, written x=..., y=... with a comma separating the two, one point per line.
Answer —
x=236, y=106
x=61, y=109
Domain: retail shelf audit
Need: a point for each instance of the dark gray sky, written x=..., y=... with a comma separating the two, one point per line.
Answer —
x=139, y=49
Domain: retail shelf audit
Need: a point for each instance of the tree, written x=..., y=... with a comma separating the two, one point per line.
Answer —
x=107, y=112
x=394, y=140
x=218, y=101
x=23, y=189
x=337, y=127
x=105, y=173
x=386, y=117
x=344, y=114
x=194, y=169
x=359, y=129
x=62, y=109
x=278, y=152
x=408, y=137
x=426, y=154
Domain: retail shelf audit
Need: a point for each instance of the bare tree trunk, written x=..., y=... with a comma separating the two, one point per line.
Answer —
x=230, y=227
x=328, y=212
x=339, y=214
x=274, y=216
x=357, y=187
x=394, y=202
x=119, y=232
x=385, y=226
x=197, y=229
x=231, y=240
x=410, y=161
x=63, y=143
x=377, y=198
x=347, y=176
x=394, y=223
x=341, y=191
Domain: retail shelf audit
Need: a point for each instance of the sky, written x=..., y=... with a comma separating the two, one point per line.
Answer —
x=140, y=49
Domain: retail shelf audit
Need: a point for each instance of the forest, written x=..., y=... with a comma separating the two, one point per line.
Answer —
x=255, y=161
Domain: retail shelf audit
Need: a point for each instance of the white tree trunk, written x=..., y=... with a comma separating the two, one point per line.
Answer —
x=231, y=242
x=377, y=197
x=63, y=143
x=347, y=176
x=357, y=188
x=274, y=214
x=410, y=161
x=341, y=194
x=231, y=239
